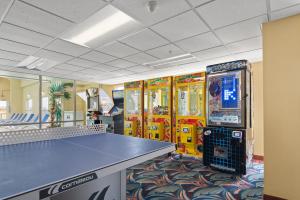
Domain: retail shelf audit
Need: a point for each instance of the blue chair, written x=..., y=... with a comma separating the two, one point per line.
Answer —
x=19, y=118
x=45, y=118
x=12, y=116
x=36, y=119
x=15, y=117
x=23, y=117
x=30, y=117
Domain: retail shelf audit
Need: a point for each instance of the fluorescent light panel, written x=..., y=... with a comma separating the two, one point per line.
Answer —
x=100, y=27
x=169, y=61
x=32, y=62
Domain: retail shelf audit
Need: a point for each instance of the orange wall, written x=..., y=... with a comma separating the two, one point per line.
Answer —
x=258, y=116
x=281, y=69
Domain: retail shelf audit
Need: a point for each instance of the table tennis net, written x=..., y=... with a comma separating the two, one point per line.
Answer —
x=34, y=135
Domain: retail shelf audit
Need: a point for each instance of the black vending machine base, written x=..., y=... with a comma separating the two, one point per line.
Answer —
x=226, y=149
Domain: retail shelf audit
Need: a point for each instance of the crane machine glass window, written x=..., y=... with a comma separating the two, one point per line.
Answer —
x=185, y=130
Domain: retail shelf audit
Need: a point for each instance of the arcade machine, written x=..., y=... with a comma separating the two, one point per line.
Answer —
x=145, y=109
x=228, y=137
x=117, y=112
x=133, y=108
x=93, y=106
x=160, y=109
x=190, y=113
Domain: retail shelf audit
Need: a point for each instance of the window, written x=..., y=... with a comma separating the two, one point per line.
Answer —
x=28, y=106
x=21, y=98
x=45, y=104
x=3, y=109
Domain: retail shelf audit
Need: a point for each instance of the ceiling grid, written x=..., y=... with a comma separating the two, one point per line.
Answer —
x=200, y=33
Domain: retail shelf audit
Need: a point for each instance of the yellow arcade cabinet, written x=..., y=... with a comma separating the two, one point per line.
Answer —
x=160, y=109
x=133, y=107
x=145, y=109
x=190, y=113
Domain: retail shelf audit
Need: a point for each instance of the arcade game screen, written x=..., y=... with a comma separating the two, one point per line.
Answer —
x=159, y=101
x=224, y=99
x=133, y=102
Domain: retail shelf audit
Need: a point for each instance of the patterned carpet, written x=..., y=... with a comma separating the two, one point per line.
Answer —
x=187, y=179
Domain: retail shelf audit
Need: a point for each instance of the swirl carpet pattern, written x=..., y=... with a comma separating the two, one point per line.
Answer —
x=188, y=179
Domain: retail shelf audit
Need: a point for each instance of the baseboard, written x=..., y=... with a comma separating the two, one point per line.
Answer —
x=269, y=197
x=258, y=157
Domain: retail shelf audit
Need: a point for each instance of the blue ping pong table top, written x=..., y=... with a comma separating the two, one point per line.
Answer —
x=30, y=166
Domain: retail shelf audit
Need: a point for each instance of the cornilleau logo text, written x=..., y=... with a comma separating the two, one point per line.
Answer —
x=77, y=182
x=54, y=189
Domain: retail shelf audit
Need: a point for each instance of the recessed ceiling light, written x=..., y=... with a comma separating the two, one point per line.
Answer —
x=105, y=22
x=168, y=61
x=32, y=62
x=27, y=61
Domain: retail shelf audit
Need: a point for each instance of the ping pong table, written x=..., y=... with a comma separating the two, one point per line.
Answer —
x=90, y=167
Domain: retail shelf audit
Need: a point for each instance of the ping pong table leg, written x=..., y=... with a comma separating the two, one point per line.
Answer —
x=123, y=184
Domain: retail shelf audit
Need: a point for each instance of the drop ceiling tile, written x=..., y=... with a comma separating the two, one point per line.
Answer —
x=18, y=34
x=10, y=63
x=91, y=72
x=138, y=9
x=12, y=56
x=58, y=71
x=105, y=68
x=222, y=13
x=177, y=63
x=35, y=19
x=182, y=26
x=145, y=40
x=242, y=30
x=53, y=56
x=280, y=4
x=98, y=57
x=74, y=10
x=151, y=74
x=3, y=6
x=139, y=69
x=212, y=53
x=166, y=51
x=8, y=45
x=66, y=47
x=121, y=63
x=140, y=58
x=82, y=63
x=122, y=72
x=290, y=11
x=69, y=67
x=245, y=45
x=219, y=60
x=199, y=42
x=118, y=49
x=198, y=2
x=251, y=56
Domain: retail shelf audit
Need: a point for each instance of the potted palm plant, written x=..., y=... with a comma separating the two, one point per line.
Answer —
x=57, y=93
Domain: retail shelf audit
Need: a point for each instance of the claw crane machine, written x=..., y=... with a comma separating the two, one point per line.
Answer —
x=190, y=113
x=145, y=109
x=160, y=109
x=133, y=106
x=228, y=138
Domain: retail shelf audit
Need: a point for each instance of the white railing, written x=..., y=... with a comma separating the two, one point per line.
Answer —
x=34, y=135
